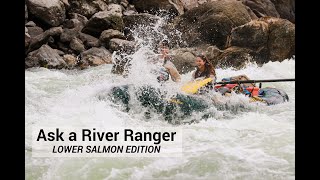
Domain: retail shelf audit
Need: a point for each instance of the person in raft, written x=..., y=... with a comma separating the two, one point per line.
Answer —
x=204, y=68
x=234, y=87
x=166, y=67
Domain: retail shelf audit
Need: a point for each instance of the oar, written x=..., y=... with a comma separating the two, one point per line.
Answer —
x=254, y=81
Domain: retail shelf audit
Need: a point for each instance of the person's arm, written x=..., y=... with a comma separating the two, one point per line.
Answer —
x=174, y=74
x=193, y=76
x=213, y=76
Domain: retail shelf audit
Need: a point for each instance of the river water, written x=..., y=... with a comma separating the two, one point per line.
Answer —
x=251, y=142
x=258, y=143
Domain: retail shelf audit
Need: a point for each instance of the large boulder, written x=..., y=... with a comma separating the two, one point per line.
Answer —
x=116, y=44
x=253, y=35
x=109, y=34
x=67, y=34
x=172, y=7
x=70, y=60
x=130, y=10
x=189, y=4
x=286, y=9
x=262, y=8
x=183, y=59
x=72, y=30
x=94, y=57
x=35, y=31
x=281, y=43
x=88, y=40
x=271, y=38
x=110, y=18
x=77, y=45
x=143, y=26
x=142, y=19
x=235, y=57
x=43, y=38
x=72, y=27
x=46, y=57
x=211, y=22
x=51, y=12
x=87, y=7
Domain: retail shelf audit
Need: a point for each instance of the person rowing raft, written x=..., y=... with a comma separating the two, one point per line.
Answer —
x=166, y=67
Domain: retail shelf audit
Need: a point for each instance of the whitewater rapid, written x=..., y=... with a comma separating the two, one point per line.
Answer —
x=257, y=143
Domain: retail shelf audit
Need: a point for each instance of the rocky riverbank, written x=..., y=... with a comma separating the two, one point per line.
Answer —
x=83, y=33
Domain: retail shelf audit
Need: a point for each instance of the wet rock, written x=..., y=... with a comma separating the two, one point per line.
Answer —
x=46, y=57
x=70, y=60
x=109, y=34
x=116, y=44
x=172, y=7
x=142, y=19
x=94, y=57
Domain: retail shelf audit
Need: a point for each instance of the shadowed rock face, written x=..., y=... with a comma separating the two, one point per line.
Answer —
x=281, y=39
x=286, y=9
x=51, y=12
x=94, y=57
x=235, y=57
x=262, y=8
x=253, y=35
x=45, y=56
x=111, y=18
x=211, y=22
x=172, y=7
x=134, y=20
x=39, y=40
x=271, y=38
x=86, y=7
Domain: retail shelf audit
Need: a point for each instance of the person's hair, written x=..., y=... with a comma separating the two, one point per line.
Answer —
x=165, y=43
x=208, y=65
